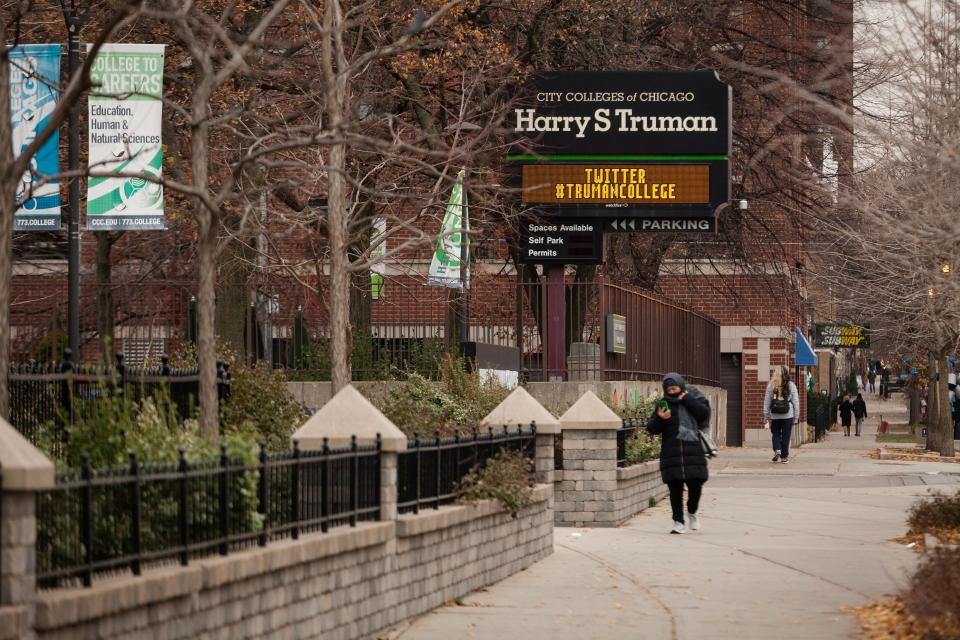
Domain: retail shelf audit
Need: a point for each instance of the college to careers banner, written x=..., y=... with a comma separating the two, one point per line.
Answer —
x=124, y=121
x=34, y=82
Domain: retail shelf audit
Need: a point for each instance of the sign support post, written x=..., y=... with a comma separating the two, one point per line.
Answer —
x=556, y=312
x=73, y=161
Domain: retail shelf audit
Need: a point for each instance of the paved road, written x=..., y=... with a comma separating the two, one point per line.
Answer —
x=783, y=549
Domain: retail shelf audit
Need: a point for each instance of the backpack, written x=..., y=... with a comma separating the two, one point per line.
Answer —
x=780, y=405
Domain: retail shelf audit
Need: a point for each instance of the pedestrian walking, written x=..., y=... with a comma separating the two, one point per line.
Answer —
x=682, y=413
x=781, y=406
x=859, y=411
x=872, y=381
x=846, y=414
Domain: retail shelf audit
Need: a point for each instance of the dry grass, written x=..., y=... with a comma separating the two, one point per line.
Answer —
x=886, y=620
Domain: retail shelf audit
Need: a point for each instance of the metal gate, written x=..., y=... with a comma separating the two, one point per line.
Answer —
x=731, y=379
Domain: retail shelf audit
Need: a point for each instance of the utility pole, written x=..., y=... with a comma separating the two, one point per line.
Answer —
x=73, y=159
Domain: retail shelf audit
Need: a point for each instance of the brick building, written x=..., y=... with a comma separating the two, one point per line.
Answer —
x=757, y=291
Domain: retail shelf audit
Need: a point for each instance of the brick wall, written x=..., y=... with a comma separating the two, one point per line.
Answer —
x=348, y=583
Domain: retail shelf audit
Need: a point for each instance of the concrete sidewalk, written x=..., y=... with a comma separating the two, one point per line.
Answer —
x=782, y=550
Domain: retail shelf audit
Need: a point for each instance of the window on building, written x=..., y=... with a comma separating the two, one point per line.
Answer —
x=142, y=351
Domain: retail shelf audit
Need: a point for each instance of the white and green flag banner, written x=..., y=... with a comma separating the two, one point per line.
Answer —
x=378, y=267
x=125, y=118
x=446, y=263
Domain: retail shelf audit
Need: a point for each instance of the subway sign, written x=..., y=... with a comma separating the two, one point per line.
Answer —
x=841, y=335
x=624, y=145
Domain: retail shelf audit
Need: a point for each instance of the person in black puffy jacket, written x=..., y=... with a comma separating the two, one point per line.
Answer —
x=682, y=460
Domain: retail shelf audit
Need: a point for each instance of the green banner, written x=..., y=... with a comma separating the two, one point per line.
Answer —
x=446, y=263
x=125, y=117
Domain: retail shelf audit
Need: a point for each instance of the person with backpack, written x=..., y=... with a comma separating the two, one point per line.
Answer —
x=859, y=408
x=781, y=406
x=679, y=418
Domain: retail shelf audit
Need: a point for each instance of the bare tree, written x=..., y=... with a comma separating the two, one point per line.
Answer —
x=892, y=262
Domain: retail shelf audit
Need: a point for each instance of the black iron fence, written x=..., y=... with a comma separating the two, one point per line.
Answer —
x=626, y=431
x=103, y=521
x=55, y=394
x=617, y=332
x=429, y=471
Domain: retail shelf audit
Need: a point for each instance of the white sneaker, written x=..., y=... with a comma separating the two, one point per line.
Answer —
x=678, y=527
x=694, y=521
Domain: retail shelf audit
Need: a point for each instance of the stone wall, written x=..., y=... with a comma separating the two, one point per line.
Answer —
x=347, y=583
x=636, y=484
x=584, y=488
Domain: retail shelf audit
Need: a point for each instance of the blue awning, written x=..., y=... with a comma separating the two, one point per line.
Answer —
x=805, y=355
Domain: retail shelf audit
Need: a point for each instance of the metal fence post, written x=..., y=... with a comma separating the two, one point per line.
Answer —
x=325, y=486
x=262, y=495
x=86, y=519
x=456, y=442
x=224, y=500
x=121, y=373
x=416, y=457
x=182, y=518
x=436, y=439
x=295, y=491
x=135, y=514
x=354, y=481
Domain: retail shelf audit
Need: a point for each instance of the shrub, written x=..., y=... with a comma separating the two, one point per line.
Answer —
x=635, y=409
x=933, y=595
x=419, y=407
x=939, y=511
x=259, y=401
x=505, y=478
x=642, y=447
x=104, y=423
x=258, y=398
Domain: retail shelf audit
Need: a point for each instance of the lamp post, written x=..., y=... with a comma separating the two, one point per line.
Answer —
x=463, y=306
x=73, y=160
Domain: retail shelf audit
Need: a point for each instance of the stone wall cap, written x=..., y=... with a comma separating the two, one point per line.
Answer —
x=590, y=412
x=522, y=408
x=23, y=467
x=347, y=414
x=639, y=469
x=428, y=520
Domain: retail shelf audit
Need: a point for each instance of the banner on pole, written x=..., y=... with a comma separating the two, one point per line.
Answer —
x=446, y=262
x=34, y=82
x=377, y=267
x=125, y=119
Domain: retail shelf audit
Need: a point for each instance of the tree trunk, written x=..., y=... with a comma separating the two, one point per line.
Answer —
x=105, y=309
x=914, y=408
x=8, y=186
x=206, y=250
x=943, y=427
x=340, y=333
x=338, y=197
x=933, y=405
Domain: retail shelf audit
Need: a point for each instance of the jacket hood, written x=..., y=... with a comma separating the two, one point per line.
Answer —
x=674, y=379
